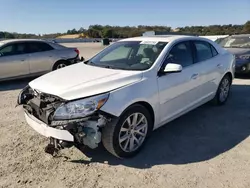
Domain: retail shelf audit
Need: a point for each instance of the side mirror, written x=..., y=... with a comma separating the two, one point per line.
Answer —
x=82, y=59
x=171, y=68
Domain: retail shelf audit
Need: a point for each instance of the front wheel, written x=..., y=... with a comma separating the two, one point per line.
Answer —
x=126, y=137
x=223, y=91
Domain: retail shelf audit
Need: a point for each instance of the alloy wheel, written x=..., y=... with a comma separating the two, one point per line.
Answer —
x=224, y=89
x=61, y=65
x=133, y=132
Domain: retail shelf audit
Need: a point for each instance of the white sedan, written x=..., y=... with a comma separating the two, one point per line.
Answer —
x=126, y=91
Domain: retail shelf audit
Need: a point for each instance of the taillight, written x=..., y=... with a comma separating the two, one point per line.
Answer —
x=77, y=51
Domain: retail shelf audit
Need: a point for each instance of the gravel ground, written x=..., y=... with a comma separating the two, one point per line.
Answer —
x=208, y=147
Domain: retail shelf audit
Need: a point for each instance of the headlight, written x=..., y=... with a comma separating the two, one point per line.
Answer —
x=80, y=108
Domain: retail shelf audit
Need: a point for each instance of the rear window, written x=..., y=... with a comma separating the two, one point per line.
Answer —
x=214, y=51
x=39, y=47
x=56, y=46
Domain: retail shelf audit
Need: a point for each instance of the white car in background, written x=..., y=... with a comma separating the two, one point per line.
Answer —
x=126, y=91
x=215, y=37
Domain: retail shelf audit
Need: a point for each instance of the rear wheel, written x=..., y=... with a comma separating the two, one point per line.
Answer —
x=125, y=137
x=60, y=64
x=223, y=91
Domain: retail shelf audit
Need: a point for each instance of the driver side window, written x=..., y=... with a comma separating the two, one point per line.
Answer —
x=13, y=49
x=180, y=54
x=8, y=50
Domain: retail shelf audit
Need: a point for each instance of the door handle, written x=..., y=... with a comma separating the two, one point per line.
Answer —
x=194, y=76
x=22, y=59
x=219, y=66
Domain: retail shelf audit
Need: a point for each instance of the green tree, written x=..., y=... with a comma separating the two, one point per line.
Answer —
x=107, y=33
x=93, y=33
x=246, y=27
x=81, y=30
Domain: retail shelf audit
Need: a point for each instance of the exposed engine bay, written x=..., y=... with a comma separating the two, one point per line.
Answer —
x=86, y=131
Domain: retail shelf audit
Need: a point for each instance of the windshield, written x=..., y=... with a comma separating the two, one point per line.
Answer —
x=129, y=55
x=218, y=41
x=236, y=42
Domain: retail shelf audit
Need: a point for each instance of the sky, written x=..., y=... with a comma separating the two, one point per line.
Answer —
x=50, y=16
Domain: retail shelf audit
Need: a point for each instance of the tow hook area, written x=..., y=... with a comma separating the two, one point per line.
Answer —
x=55, y=146
x=86, y=133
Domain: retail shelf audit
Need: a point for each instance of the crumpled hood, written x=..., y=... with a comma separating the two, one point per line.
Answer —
x=80, y=80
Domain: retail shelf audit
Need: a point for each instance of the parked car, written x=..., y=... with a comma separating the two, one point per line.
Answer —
x=23, y=58
x=126, y=91
x=215, y=38
x=239, y=45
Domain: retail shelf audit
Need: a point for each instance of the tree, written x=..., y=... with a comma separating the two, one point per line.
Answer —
x=81, y=30
x=107, y=33
x=97, y=31
x=2, y=35
x=9, y=35
x=93, y=33
x=246, y=27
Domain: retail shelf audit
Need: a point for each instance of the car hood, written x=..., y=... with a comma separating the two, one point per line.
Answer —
x=238, y=51
x=80, y=80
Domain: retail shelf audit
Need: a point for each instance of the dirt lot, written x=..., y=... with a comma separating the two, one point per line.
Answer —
x=208, y=147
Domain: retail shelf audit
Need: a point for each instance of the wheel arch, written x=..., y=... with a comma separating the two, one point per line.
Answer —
x=230, y=76
x=59, y=61
x=146, y=105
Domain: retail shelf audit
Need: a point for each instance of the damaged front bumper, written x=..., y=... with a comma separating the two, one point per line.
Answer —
x=46, y=130
x=38, y=111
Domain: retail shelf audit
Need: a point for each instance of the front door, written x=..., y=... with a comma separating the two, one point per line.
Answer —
x=14, y=61
x=179, y=91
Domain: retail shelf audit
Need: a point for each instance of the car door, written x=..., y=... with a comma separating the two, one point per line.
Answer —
x=40, y=54
x=211, y=69
x=14, y=60
x=178, y=92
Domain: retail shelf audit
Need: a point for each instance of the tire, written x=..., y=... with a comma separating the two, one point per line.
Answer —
x=115, y=132
x=59, y=65
x=223, y=91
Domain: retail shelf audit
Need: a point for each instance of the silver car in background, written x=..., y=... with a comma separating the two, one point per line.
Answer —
x=26, y=57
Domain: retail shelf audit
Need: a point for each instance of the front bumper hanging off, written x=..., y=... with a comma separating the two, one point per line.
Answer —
x=38, y=111
x=47, y=131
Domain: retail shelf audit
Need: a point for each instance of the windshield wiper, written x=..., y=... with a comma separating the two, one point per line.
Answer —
x=88, y=62
x=103, y=66
x=109, y=67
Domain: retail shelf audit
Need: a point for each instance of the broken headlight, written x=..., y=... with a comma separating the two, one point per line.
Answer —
x=80, y=108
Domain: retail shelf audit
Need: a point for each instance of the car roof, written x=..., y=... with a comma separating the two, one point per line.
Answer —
x=162, y=38
x=21, y=40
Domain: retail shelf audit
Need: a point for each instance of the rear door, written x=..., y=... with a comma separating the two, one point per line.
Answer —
x=41, y=59
x=14, y=60
x=207, y=59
